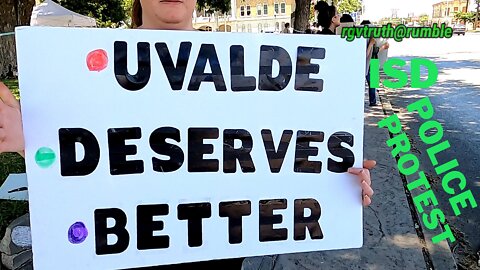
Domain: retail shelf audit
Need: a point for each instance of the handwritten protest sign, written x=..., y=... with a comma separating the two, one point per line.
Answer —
x=162, y=147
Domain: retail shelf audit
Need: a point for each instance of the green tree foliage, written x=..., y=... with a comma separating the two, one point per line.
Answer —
x=423, y=19
x=127, y=6
x=393, y=21
x=465, y=16
x=223, y=6
x=312, y=17
x=108, y=13
x=349, y=6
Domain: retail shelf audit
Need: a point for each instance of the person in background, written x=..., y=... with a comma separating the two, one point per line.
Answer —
x=327, y=18
x=286, y=29
x=346, y=18
x=345, y=21
x=372, y=53
x=366, y=22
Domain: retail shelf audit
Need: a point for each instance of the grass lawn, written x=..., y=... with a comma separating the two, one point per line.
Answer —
x=12, y=84
x=10, y=163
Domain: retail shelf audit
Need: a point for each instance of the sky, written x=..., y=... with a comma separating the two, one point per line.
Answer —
x=376, y=9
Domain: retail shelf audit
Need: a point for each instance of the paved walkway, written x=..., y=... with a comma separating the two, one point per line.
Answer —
x=391, y=240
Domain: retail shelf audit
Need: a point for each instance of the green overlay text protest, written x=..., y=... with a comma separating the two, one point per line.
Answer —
x=453, y=182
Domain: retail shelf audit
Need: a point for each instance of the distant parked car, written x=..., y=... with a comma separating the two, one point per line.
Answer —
x=459, y=29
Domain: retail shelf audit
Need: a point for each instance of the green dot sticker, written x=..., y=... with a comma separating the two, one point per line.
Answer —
x=45, y=157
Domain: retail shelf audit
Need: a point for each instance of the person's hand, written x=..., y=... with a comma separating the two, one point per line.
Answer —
x=364, y=180
x=11, y=131
x=385, y=46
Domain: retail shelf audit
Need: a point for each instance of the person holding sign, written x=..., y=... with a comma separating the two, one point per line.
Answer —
x=164, y=15
x=153, y=15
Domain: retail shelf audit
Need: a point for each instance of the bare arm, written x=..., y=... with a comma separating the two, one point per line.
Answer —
x=11, y=130
x=384, y=47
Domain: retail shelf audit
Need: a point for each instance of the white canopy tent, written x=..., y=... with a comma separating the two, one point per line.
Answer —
x=50, y=13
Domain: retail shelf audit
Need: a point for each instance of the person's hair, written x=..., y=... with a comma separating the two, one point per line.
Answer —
x=308, y=31
x=325, y=13
x=136, y=14
x=365, y=22
x=287, y=24
x=346, y=18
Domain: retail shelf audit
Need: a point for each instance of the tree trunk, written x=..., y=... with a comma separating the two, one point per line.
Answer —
x=12, y=13
x=302, y=15
x=476, y=17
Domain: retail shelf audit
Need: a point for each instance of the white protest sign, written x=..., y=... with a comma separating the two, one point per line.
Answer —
x=162, y=147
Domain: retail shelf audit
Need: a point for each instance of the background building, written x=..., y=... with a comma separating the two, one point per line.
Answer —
x=212, y=21
x=255, y=16
x=444, y=12
x=263, y=15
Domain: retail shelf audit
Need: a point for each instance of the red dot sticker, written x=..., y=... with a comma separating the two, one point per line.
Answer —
x=97, y=60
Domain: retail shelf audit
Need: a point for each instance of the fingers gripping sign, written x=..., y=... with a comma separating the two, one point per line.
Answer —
x=363, y=176
x=11, y=131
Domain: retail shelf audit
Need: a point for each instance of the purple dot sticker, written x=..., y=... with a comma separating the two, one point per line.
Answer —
x=77, y=233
